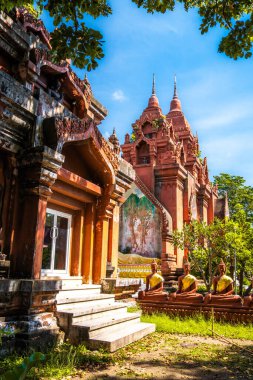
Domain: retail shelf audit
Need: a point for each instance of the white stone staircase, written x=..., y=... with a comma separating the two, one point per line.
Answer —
x=87, y=315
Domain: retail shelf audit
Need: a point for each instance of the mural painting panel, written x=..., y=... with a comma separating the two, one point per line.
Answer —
x=140, y=236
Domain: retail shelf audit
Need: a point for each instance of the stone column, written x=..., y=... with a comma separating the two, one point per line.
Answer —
x=203, y=199
x=88, y=242
x=113, y=244
x=37, y=173
x=100, y=249
x=77, y=243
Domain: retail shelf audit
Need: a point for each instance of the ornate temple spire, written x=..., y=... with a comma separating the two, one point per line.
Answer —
x=153, y=86
x=153, y=101
x=175, y=87
x=175, y=104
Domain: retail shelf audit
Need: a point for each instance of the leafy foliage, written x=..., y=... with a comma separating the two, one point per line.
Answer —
x=20, y=372
x=204, y=245
x=237, y=193
x=228, y=239
x=235, y=16
x=61, y=361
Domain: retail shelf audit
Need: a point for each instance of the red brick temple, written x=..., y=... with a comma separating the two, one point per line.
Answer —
x=171, y=188
x=61, y=187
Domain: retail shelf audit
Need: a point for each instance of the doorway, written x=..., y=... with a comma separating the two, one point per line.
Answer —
x=56, y=245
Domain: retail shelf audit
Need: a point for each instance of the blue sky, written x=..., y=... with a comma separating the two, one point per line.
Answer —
x=216, y=92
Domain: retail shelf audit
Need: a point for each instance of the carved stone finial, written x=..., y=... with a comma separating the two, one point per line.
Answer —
x=175, y=87
x=175, y=104
x=153, y=86
x=115, y=142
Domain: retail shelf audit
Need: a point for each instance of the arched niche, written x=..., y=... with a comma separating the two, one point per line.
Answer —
x=143, y=153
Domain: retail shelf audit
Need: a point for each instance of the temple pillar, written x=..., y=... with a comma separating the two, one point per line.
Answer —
x=203, y=200
x=88, y=243
x=170, y=194
x=77, y=243
x=100, y=249
x=113, y=243
x=37, y=172
x=168, y=259
x=8, y=194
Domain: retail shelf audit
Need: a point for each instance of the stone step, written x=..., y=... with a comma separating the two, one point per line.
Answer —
x=92, y=299
x=82, y=290
x=103, y=325
x=67, y=316
x=117, y=339
x=67, y=281
x=97, y=319
x=70, y=285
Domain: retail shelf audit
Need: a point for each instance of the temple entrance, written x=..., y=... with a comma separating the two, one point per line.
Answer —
x=56, y=246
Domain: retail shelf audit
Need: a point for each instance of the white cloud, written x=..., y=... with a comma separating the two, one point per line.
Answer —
x=229, y=154
x=119, y=96
x=225, y=115
x=107, y=134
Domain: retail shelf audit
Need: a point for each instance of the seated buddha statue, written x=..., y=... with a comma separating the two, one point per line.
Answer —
x=223, y=290
x=187, y=288
x=154, y=284
x=248, y=296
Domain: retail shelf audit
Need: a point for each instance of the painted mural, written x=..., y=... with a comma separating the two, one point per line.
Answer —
x=140, y=235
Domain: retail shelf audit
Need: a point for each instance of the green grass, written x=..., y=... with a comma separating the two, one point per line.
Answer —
x=67, y=360
x=198, y=325
x=133, y=309
x=61, y=361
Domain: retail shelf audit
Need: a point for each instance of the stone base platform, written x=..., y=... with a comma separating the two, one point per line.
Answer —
x=27, y=314
x=122, y=287
x=238, y=314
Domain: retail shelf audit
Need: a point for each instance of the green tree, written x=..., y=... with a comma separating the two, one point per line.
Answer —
x=236, y=17
x=231, y=240
x=205, y=246
x=238, y=243
x=237, y=192
x=73, y=39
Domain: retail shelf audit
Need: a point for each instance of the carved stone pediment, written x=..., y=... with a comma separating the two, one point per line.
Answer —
x=59, y=130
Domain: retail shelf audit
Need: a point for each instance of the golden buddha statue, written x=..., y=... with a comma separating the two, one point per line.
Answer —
x=154, y=284
x=187, y=288
x=223, y=289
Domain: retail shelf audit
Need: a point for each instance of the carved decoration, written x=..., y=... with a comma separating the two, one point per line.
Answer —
x=39, y=54
x=115, y=142
x=38, y=170
x=149, y=117
x=80, y=90
x=31, y=23
x=59, y=130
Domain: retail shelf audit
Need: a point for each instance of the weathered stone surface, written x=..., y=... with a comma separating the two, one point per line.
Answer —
x=28, y=309
x=28, y=296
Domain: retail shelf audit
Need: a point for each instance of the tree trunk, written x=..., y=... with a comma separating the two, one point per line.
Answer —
x=241, y=277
